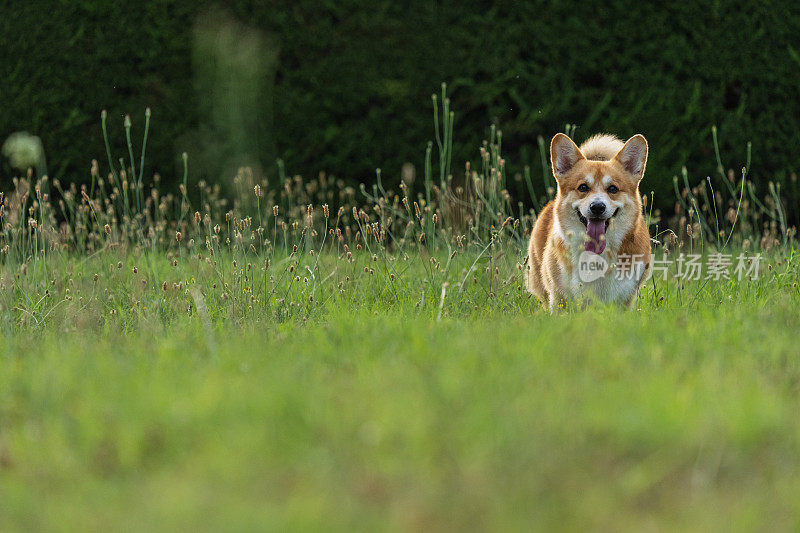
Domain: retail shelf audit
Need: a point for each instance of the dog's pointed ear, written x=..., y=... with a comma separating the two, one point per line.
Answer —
x=564, y=155
x=633, y=156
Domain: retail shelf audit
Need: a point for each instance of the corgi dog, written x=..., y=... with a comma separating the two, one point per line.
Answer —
x=591, y=241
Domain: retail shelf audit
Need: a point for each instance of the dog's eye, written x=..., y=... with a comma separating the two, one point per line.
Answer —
x=612, y=189
x=583, y=187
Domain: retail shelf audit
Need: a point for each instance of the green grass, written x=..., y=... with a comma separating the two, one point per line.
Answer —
x=305, y=356
x=361, y=410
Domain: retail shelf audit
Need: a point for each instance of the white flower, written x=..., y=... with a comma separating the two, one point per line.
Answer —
x=25, y=151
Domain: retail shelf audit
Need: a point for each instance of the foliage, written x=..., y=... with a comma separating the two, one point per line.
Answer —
x=345, y=94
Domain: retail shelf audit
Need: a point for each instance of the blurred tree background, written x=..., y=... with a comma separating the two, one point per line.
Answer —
x=344, y=87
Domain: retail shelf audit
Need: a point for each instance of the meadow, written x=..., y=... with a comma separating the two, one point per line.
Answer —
x=307, y=355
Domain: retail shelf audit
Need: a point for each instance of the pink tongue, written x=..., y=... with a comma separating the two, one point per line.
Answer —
x=596, y=229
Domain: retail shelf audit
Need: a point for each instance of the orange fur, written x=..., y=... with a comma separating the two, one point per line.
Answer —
x=557, y=240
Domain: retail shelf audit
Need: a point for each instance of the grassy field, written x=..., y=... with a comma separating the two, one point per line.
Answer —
x=124, y=405
x=303, y=355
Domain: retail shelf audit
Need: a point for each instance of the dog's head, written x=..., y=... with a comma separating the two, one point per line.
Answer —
x=598, y=198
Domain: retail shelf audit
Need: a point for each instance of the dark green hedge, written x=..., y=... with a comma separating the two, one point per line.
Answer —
x=350, y=88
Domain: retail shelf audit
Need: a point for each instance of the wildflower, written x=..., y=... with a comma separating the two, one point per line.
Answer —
x=178, y=236
x=25, y=151
x=107, y=229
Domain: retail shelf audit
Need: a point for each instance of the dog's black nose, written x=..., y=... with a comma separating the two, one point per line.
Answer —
x=597, y=208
